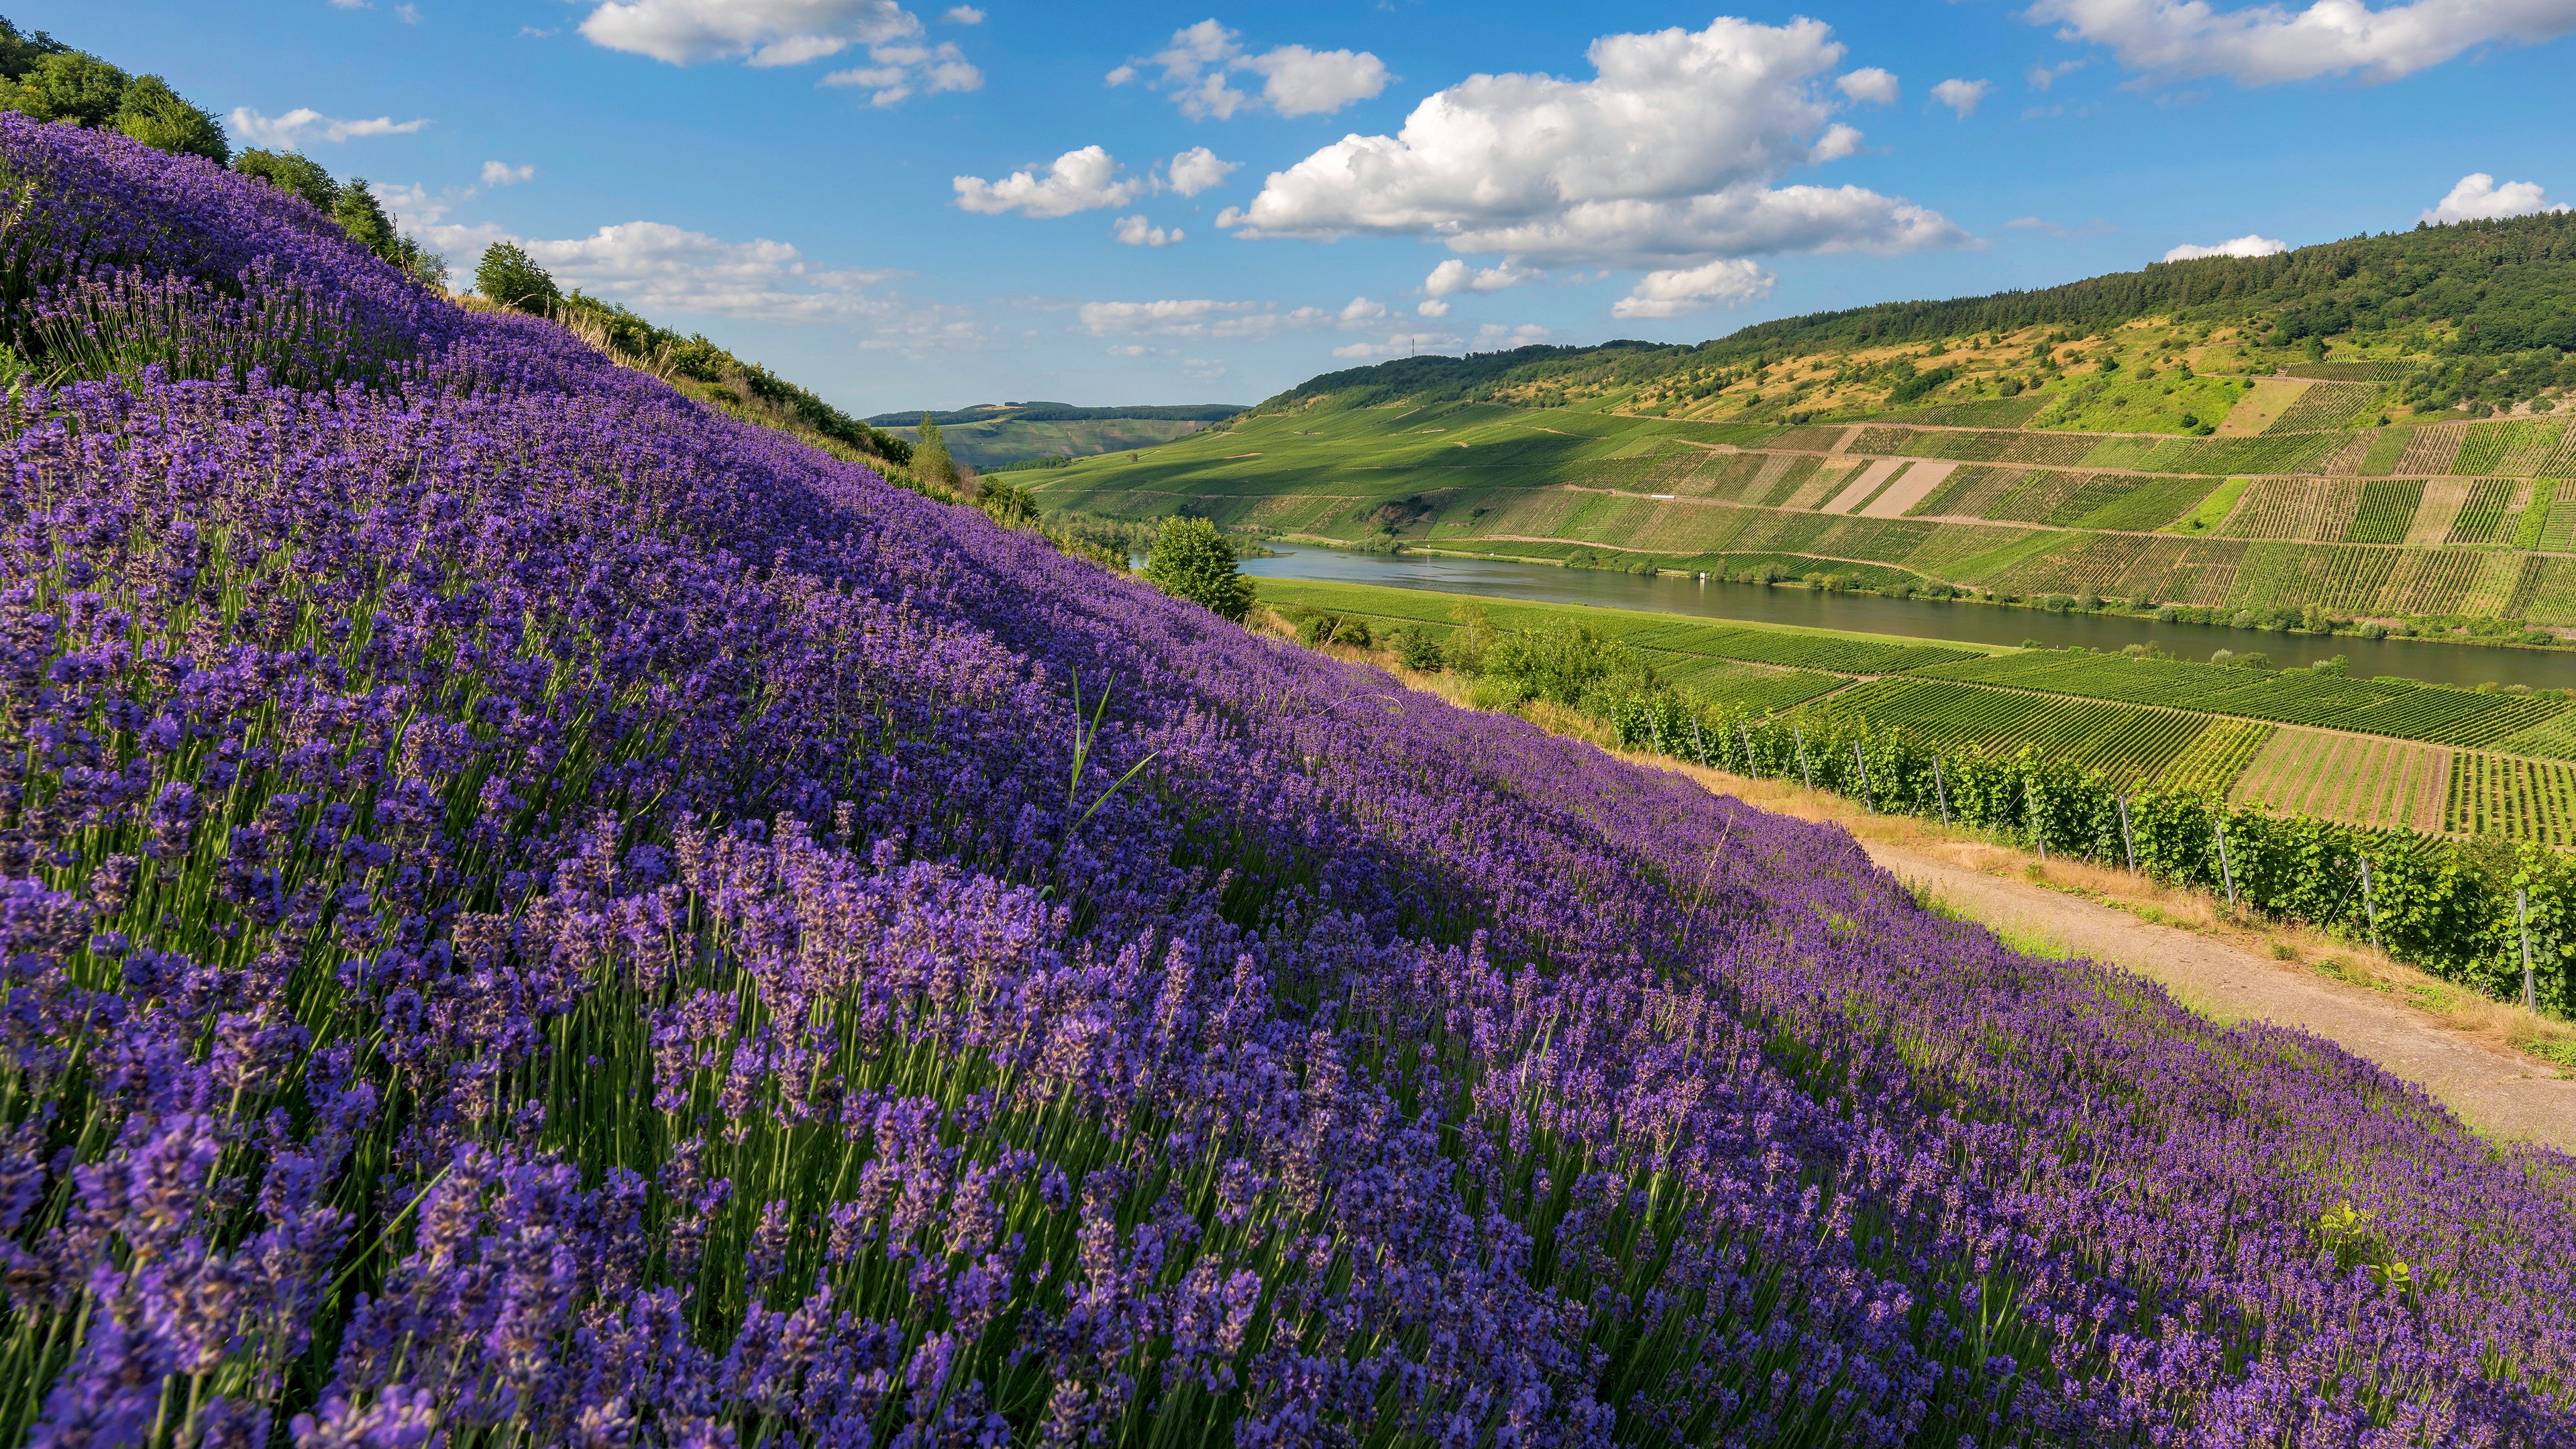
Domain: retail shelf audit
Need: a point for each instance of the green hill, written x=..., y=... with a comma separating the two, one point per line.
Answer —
x=2364, y=431
x=1030, y=433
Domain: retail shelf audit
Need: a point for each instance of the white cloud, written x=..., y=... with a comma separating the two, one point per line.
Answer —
x=1495, y=334
x=898, y=72
x=1202, y=369
x=301, y=126
x=1296, y=81
x=350, y=5
x=1680, y=292
x=963, y=15
x=2478, y=198
x=407, y=14
x=1136, y=231
x=1454, y=276
x=1431, y=307
x=2176, y=39
x=1402, y=344
x=1083, y=180
x=502, y=173
x=663, y=269
x=1871, y=84
x=1668, y=155
x=2041, y=77
x=1360, y=312
x=1962, y=95
x=757, y=32
x=2248, y=245
x=1302, y=82
x=1197, y=169
x=1195, y=318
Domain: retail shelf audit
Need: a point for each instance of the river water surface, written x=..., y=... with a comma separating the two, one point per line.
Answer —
x=1914, y=618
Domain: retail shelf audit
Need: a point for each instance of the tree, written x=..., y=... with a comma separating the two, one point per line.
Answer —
x=68, y=85
x=290, y=172
x=363, y=217
x=509, y=276
x=1192, y=561
x=157, y=116
x=930, y=458
x=20, y=51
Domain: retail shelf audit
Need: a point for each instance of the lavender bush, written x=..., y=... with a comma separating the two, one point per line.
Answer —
x=535, y=912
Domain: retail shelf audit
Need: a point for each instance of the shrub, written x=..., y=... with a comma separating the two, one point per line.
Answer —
x=157, y=116
x=509, y=276
x=1418, y=649
x=1192, y=561
x=289, y=171
x=68, y=86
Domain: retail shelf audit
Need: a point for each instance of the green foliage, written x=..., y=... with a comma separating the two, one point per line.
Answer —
x=364, y=219
x=19, y=51
x=1567, y=663
x=157, y=116
x=292, y=172
x=68, y=85
x=1007, y=504
x=1418, y=648
x=930, y=454
x=1191, y=560
x=509, y=276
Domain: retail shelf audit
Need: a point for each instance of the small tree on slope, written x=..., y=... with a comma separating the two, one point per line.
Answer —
x=1191, y=560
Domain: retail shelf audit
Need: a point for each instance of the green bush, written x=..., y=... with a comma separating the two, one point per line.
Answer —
x=1419, y=649
x=289, y=171
x=157, y=116
x=1191, y=560
x=68, y=86
x=509, y=276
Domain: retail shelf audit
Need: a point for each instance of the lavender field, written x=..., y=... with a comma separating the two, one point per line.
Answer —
x=535, y=913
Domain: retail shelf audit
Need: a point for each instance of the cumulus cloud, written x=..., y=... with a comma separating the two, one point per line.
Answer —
x=1498, y=336
x=757, y=32
x=1961, y=95
x=1198, y=66
x=2262, y=44
x=1136, y=231
x=896, y=73
x=2041, y=77
x=502, y=173
x=1870, y=84
x=1431, y=307
x=1668, y=154
x=1197, y=169
x=660, y=268
x=2479, y=198
x=302, y=126
x=1454, y=276
x=963, y=15
x=1199, y=317
x=1682, y=291
x=2248, y=245
x=1083, y=180
x=1360, y=312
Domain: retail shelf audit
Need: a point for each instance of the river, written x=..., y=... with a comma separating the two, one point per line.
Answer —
x=1913, y=618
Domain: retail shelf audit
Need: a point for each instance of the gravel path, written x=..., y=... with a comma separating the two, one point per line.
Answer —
x=2499, y=1094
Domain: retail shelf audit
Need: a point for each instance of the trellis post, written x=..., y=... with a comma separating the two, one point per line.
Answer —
x=1804, y=773
x=1865, y=797
x=1752, y=766
x=1940, y=791
x=2128, y=842
x=2522, y=919
x=2226, y=872
x=2370, y=905
x=2038, y=827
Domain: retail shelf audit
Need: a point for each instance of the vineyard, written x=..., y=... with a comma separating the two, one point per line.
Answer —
x=2399, y=708
x=1751, y=688
x=2530, y=800
x=2362, y=781
x=2326, y=405
x=2482, y=512
x=2128, y=744
x=2387, y=510
x=2298, y=508
x=2213, y=760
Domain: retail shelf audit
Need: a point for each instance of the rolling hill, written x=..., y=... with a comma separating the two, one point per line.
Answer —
x=1003, y=435
x=2367, y=431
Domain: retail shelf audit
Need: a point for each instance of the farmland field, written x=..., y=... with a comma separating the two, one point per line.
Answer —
x=2127, y=743
x=2325, y=405
x=2362, y=780
x=2532, y=800
x=2399, y=708
x=2212, y=762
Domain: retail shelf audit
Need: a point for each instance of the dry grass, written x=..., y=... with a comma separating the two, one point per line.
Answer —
x=2350, y=965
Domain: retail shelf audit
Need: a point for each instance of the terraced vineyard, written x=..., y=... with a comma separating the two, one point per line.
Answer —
x=2212, y=762
x=2517, y=799
x=2395, y=707
x=2127, y=743
x=2350, y=778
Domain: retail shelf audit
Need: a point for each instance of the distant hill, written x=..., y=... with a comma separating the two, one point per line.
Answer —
x=2375, y=432
x=1029, y=433
x=2478, y=313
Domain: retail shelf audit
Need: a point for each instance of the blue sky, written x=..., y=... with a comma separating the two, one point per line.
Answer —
x=901, y=205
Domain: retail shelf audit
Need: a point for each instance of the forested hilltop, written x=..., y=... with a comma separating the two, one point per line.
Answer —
x=2479, y=313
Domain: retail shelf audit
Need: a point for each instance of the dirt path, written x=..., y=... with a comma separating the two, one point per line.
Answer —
x=2499, y=1094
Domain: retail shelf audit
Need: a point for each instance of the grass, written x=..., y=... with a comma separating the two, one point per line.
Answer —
x=2213, y=510
x=2165, y=403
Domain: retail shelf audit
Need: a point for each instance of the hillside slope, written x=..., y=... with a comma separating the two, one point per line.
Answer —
x=2394, y=470
x=536, y=911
